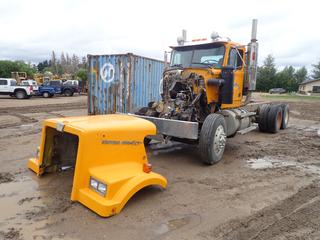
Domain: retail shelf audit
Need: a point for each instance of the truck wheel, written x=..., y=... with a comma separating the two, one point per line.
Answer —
x=274, y=118
x=263, y=118
x=68, y=93
x=20, y=94
x=212, y=138
x=45, y=94
x=285, y=116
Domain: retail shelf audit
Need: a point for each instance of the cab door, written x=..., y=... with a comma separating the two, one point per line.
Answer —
x=4, y=87
x=235, y=60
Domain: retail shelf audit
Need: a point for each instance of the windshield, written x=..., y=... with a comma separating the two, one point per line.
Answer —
x=198, y=57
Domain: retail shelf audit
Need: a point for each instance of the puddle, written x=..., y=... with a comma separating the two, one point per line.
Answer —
x=189, y=220
x=28, y=202
x=267, y=162
x=171, y=225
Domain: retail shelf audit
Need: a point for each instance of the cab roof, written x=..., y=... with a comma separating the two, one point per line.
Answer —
x=200, y=45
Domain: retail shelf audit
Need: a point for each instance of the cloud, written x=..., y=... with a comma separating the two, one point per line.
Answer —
x=32, y=29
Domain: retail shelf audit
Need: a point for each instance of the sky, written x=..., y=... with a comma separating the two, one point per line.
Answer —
x=31, y=29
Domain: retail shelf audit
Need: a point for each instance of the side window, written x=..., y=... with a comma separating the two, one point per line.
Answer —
x=232, y=60
x=3, y=82
x=13, y=83
x=239, y=60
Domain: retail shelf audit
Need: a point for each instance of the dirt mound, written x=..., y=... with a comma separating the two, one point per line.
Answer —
x=296, y=217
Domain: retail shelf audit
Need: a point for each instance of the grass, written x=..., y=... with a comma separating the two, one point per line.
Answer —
x=291, y=97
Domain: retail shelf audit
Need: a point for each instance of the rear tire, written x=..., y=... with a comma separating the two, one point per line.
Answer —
x=68, y=93
x=285, y=116
x=274, y=118
x=212, y=138
x=263, y=118
x=20, y=94
x=46, y=94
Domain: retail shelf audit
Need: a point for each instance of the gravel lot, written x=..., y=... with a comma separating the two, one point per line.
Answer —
x=266, y=187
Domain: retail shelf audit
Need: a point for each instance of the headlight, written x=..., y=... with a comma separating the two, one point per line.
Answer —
x=98, y=186
x=102, y=188
x=94, y=183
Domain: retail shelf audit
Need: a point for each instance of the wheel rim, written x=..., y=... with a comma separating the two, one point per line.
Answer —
x=286, y=119
x=219, y=140
x=19, y=95
x=45, y=94
x=279, y=119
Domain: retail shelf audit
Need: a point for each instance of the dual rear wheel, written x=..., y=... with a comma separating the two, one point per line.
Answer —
x=272, y=118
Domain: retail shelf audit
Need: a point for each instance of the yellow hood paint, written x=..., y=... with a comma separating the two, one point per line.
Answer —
x=111, y=150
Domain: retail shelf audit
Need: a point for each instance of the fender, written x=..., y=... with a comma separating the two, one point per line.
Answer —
x=106, y=151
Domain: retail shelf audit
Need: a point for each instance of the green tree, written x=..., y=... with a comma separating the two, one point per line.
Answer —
x=266, y=77
x=316, y=71
x=301, y=74
x=286, y=79
x=6, y=67
x=82, y=74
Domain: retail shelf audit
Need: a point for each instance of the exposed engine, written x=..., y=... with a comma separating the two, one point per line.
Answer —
x=183, y=98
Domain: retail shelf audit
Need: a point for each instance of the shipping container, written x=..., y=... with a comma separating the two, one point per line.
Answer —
x=122, y=82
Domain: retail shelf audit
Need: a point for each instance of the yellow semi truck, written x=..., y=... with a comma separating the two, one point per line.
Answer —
x=206, y=97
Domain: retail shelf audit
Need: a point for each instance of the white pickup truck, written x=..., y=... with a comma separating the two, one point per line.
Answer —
x=8, y=86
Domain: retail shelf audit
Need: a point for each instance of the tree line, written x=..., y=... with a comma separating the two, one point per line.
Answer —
x=288, y=78
x=6, y=67
x=65, y=64
x=72, y=66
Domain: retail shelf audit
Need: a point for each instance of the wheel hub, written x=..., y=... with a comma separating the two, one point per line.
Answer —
x=219, y=140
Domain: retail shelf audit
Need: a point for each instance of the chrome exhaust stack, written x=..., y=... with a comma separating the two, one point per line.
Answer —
x=252, y=60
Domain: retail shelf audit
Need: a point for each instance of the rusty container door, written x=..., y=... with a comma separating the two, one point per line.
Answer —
x=122, y=82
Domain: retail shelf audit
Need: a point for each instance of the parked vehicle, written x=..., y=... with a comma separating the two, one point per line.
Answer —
x=277, y=90
x=65, y=89
x=8, y=86
x=71, y=82
x=30, y=82
x=47, y=91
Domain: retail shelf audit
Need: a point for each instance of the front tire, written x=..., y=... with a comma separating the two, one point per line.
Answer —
x=212, y=138
x=20, y=94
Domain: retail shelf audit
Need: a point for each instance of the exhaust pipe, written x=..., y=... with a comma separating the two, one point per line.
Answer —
x=252, y=62
x=254, y=30
x=253, y=57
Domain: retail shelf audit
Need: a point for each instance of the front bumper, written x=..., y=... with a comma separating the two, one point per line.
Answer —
x=174, y=128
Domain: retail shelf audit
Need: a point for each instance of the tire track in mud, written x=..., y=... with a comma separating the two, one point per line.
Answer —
x=43, y=108
x=297, y=217
x=19, y=112
x=23, y=119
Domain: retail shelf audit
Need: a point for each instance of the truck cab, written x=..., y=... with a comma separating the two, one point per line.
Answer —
x=209, y=60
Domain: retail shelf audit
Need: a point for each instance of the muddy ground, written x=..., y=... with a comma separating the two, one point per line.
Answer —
x=266, y=187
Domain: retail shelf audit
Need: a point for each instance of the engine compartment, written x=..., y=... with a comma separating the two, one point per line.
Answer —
x=183, y=98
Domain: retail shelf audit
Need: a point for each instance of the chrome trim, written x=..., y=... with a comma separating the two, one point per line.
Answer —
x=174, y=128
